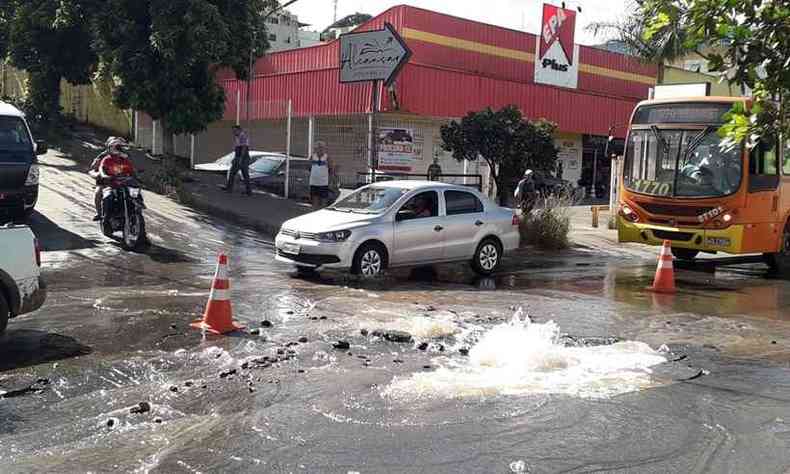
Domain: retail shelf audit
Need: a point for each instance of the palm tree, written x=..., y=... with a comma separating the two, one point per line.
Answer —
x=665, y=45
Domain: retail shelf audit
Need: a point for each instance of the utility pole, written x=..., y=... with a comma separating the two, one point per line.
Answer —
x=334, y=17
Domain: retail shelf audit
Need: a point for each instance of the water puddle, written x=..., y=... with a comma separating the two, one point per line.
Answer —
x=520, y=357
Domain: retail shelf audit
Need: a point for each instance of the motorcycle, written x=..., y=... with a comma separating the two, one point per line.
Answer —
x=121, y=199
x=122, y=211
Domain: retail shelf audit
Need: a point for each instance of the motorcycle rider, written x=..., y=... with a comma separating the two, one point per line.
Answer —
x=113, y=162
x=526, y=194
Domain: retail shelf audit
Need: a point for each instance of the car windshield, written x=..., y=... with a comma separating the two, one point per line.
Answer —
x=369, y=200
x=681, y=163
x=14, y=135
x=266, y=165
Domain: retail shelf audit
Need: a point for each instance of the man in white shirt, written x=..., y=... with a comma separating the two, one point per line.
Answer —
x=320, y=172
x=241, y=162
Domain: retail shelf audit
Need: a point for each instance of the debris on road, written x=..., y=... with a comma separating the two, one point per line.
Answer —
x=142, y=407
x=342, y=345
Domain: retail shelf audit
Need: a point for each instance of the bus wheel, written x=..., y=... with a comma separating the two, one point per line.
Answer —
x=685, y=254
x=780, y=261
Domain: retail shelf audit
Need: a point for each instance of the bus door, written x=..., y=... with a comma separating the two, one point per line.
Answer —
x=764, y=199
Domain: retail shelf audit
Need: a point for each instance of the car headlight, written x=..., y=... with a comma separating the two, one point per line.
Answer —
x=32, y=176
x=338, y=236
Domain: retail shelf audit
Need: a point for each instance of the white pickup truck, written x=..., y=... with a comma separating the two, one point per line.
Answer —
x=22, y=289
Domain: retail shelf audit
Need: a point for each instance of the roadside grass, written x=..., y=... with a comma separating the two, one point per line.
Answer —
x=548, y=227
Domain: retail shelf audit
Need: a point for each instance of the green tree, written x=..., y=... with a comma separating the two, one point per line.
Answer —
x=162, y=55
x=666, y=44
x=753, y=39
x=507, y=142
x=51, y=40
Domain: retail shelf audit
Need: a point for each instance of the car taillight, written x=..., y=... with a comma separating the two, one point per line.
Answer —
x=628, y=214
x=37, y=250
x=32, y=176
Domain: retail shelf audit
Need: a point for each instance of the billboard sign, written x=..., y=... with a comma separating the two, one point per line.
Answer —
x=397, y=150
x=557, y=57
x=372, y=55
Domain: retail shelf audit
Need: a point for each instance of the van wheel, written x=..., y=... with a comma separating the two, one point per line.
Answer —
x=370, y=261
x=5, y=313
x=487, y=257
x=780, y=261
x=685, y=254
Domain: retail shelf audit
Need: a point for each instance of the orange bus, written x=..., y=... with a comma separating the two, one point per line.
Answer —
x=678, y=184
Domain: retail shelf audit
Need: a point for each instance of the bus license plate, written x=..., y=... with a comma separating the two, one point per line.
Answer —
x=718, y=241
x=291, y=249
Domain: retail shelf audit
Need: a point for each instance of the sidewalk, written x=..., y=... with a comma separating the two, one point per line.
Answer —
x=262, y=211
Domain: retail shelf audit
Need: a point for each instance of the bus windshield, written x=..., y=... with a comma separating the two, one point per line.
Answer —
x=681, y=162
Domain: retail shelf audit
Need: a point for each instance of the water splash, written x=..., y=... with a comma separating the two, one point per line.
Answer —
x=521, y=357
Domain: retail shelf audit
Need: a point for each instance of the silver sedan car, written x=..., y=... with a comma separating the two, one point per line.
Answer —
x=400, y=224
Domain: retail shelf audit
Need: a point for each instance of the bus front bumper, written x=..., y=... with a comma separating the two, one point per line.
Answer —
x=729, y=240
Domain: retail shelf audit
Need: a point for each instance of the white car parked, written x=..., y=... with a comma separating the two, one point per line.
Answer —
x=401, y=223
x=21, y=288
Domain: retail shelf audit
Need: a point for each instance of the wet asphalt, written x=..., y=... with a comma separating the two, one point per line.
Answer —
x=109, y=377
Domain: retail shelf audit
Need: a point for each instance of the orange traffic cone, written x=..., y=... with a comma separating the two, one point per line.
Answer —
x=665, y=273
x=218, y=318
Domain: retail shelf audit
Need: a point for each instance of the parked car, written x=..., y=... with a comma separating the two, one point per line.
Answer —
x=401, y=223
x=546, y=183
x=223, y=164
x=19, y=170
x=22, y=289
x=268, y=172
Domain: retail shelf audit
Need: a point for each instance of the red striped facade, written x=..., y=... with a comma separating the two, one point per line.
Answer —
x=458, y=66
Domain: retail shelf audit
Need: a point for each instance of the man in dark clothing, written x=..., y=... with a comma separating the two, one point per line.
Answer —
x=241, y=162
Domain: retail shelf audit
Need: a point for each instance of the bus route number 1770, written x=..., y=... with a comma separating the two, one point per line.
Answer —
x=652, y=187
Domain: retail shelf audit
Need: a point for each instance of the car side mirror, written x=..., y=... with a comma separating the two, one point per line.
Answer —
x=404, y=215
x=41, y=147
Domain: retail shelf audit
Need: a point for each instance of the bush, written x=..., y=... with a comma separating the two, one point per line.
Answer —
x=548, y=225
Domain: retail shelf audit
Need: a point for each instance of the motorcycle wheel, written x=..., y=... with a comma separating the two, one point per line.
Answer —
x=134, y=231
x=105, y=226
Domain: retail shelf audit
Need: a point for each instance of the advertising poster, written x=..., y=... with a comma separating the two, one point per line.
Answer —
x=397, y=150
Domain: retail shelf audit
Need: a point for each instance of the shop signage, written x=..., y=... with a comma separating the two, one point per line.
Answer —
x=397, y=150
x=372, y=55
x=557, y=57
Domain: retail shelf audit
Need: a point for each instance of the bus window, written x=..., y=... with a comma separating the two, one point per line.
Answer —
x=763, y=168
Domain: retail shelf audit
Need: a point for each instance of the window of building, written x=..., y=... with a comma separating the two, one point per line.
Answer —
x=272, y=37
x=273, y=20
x=459, y=202
x=288, y=40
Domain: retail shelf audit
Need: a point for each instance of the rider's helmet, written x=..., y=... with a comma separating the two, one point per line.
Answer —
x=116, y=145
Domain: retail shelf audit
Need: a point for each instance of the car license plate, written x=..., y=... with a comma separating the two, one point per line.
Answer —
x=291, y=249
x=718, y=241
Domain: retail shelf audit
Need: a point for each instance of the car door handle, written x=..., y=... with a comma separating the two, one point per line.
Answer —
x=479, y=223
x=438, y=228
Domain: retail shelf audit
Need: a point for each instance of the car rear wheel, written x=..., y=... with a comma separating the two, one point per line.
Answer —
x=487, y=257
x=370, y=261
x=5, y=313
x=685, y=254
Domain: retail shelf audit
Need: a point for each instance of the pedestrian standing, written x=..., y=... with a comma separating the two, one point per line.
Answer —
x=320, y=171
x=241, y=160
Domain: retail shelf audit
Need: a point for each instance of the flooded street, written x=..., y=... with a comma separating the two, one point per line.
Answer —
x=558, y=364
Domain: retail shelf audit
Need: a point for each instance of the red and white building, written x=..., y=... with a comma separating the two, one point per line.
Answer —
x=457, y=66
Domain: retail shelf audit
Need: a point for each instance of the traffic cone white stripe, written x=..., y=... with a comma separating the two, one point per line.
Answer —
x=220, y=295
x=665, y=264
x=222, y=272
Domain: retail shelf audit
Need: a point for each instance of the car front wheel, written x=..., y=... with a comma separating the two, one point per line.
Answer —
x=370, y=261
x=5, y=313
x=487, y=257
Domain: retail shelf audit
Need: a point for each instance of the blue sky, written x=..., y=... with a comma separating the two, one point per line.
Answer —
x=517, y=14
